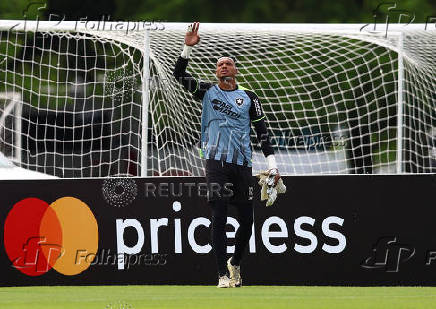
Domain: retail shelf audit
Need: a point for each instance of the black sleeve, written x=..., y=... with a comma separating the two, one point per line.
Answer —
x=257, y=118
x=198, y=89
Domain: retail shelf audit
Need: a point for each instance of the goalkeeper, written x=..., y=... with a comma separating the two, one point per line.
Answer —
x=227, y=111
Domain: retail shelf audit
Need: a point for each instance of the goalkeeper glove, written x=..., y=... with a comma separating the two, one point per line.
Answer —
x=272, y=184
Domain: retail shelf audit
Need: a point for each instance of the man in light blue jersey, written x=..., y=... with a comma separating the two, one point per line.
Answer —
x=228, y=110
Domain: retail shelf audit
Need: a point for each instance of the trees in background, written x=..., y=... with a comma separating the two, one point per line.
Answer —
x=279, y=11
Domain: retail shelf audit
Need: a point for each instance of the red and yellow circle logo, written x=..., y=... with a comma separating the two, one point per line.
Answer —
x=39, y=236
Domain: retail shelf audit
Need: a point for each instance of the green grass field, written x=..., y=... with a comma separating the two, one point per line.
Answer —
x=134, y=297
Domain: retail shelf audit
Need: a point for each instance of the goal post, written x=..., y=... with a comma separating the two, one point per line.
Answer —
x=145, y=104
x=10, y=125
x=400, y=103
x=100, y=100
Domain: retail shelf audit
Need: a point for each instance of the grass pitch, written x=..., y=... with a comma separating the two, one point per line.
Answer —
x=135, y=297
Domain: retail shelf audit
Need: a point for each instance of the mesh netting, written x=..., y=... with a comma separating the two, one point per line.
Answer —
x=330, y=99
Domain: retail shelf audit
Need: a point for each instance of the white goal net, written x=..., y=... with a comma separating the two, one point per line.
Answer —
x=96, y=103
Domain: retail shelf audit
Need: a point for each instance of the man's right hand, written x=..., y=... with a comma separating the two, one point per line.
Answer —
x=192, y=37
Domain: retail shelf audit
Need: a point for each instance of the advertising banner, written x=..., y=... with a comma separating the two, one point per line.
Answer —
x=326, y=230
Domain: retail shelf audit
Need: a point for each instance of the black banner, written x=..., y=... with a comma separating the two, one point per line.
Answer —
x=327, y=230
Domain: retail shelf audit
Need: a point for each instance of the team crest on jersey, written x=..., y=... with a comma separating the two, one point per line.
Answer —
x=239, y=101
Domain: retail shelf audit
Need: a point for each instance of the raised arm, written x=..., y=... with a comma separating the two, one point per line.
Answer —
x=198, y=89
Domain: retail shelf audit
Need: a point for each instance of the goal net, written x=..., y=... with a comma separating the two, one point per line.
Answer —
x=103, y=102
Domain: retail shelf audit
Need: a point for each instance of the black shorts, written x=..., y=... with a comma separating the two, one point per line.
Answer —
x=231, y=182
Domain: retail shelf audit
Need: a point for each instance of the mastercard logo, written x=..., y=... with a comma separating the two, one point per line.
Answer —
x=39, y=236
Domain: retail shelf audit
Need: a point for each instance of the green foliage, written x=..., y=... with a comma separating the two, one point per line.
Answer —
x=248, y=11
x=272, y=11
x=21, y=9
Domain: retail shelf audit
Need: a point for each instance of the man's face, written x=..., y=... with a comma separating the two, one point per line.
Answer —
x=226, y=67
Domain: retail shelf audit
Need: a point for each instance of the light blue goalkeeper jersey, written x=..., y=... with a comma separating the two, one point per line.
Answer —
x=225, y=124
x=226, y=119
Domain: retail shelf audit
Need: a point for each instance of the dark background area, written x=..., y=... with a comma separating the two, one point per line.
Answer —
x=258, y=11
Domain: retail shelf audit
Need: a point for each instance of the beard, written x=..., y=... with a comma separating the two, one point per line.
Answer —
x=226, y=79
